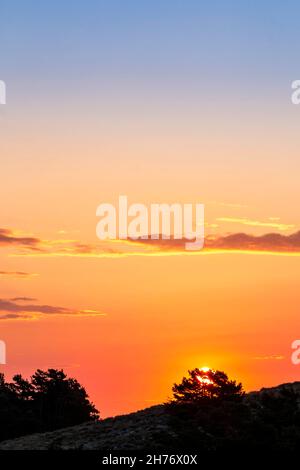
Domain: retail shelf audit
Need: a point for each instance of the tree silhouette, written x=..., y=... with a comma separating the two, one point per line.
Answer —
x=48, y=401
x=206, y=384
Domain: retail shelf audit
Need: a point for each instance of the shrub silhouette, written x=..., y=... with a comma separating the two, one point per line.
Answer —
x=49, y=400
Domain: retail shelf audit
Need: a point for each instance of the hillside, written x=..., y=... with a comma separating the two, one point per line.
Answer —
x=132, y=431
x=149, y=428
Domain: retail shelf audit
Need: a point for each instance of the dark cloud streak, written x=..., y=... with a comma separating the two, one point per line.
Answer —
x=7, y=238
x=12, y=309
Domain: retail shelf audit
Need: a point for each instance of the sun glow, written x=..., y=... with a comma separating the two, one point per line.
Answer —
x=204, y=379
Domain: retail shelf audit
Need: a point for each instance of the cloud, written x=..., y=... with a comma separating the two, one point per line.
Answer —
x=14, y=316
x=8, y=237
x=272, y=223
x=17, y=274
x=11, y=309
x=272, y=243
x=273, y=357
x=228, y=204
x=269, y=243
x=23, y=299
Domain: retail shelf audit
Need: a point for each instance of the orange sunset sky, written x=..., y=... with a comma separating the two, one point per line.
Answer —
x=143, y=101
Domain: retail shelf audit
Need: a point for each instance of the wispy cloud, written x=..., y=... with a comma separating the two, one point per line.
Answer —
x=8, y=237
x=17, y=274
x=23, y=299
x=271, y=223
x=233, y=205
x=273, y=357
x=272, y=243
x=269, y=243
x=26, y=308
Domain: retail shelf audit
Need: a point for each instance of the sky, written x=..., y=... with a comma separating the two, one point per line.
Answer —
x=173, y=101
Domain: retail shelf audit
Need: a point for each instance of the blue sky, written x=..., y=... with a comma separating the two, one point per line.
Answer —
x=196, y=72
x=181, y=49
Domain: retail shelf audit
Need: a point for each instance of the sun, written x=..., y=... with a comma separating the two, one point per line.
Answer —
x=203, y=378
